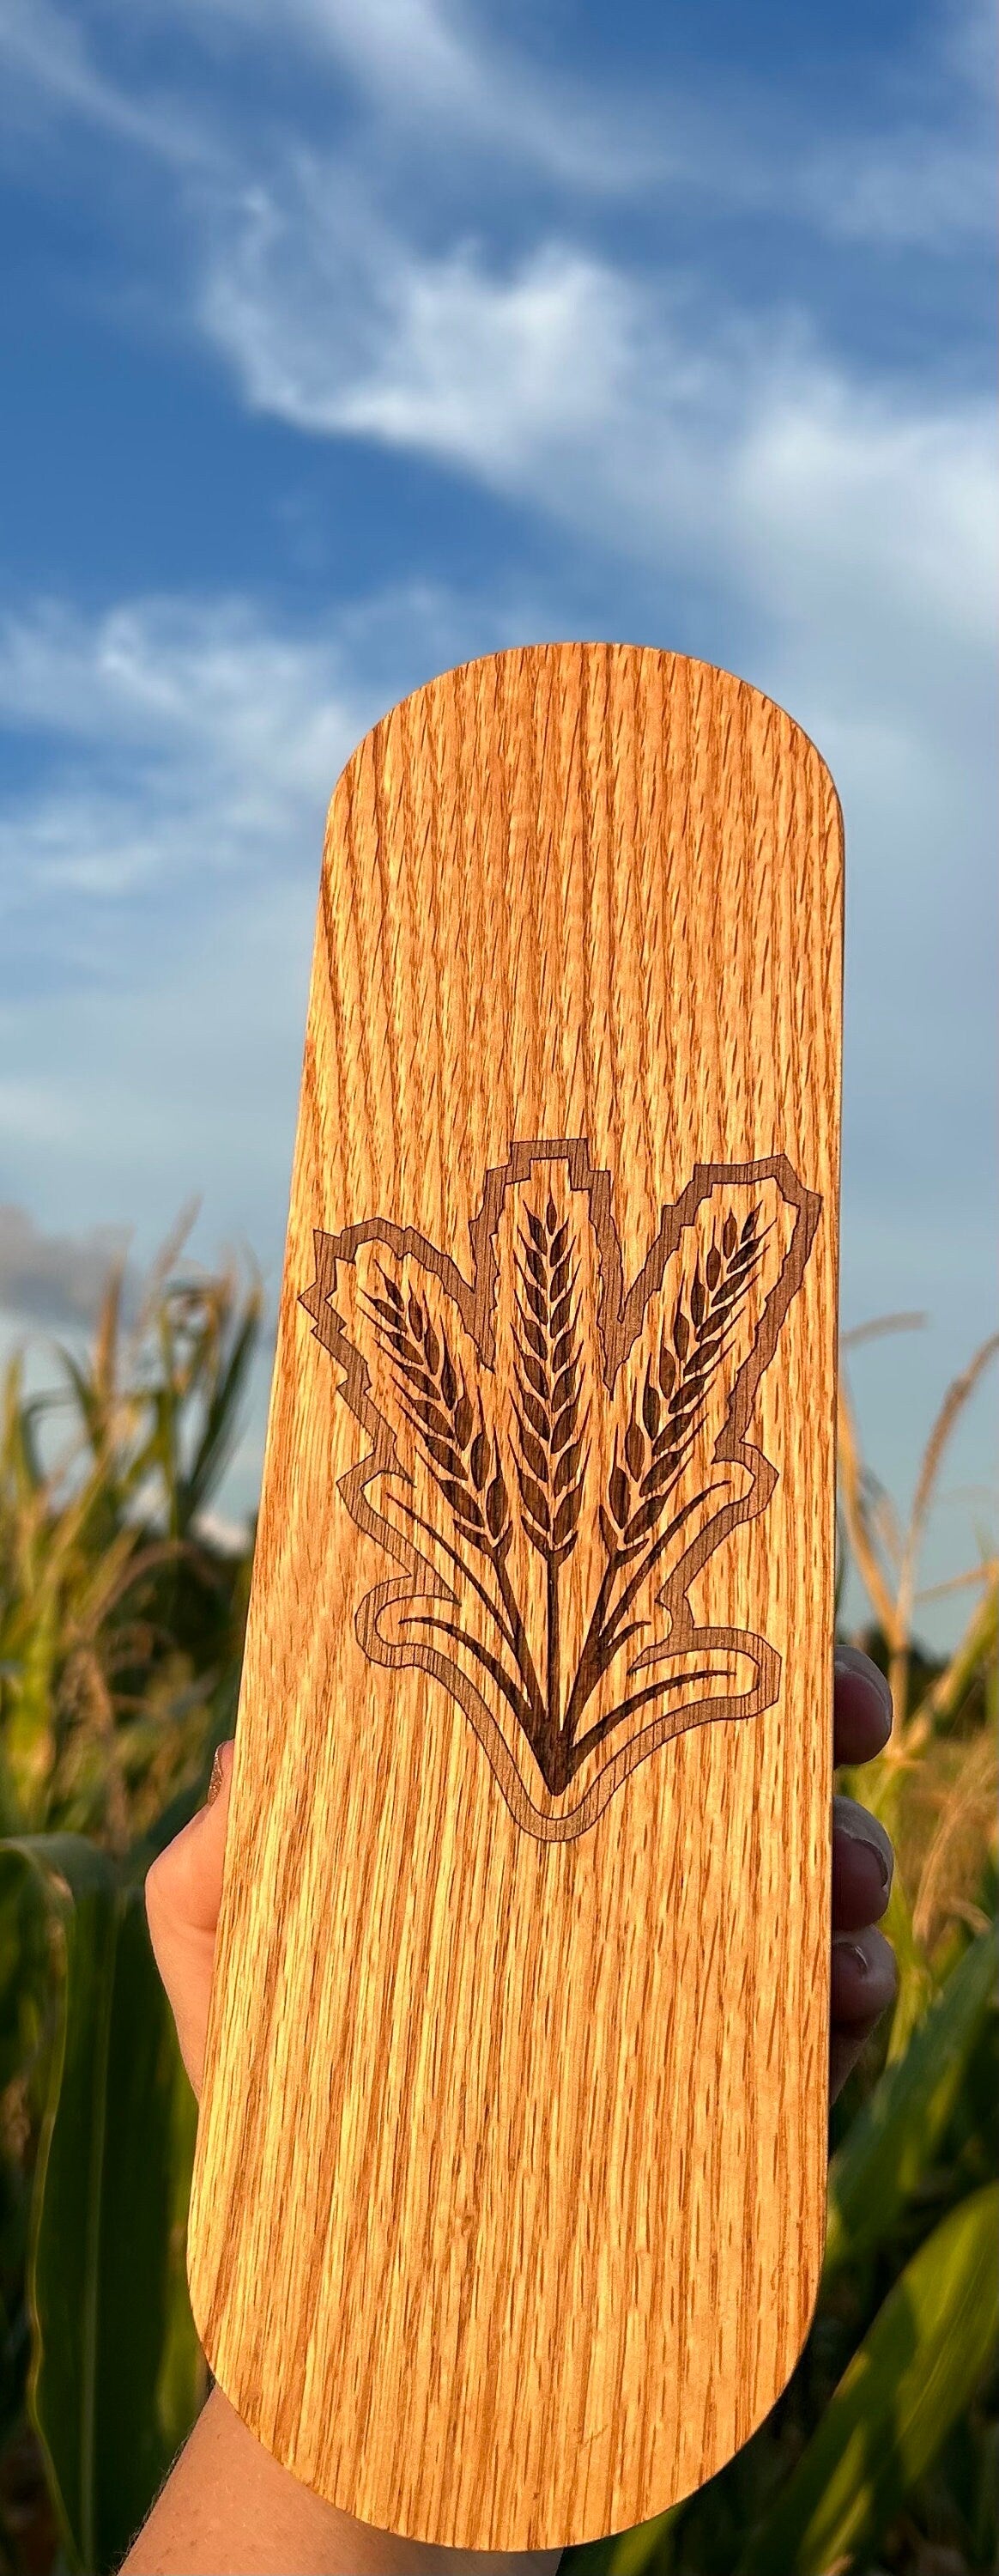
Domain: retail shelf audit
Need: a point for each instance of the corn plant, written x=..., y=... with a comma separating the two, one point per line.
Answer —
x=119, y=1618
x=120, y=1640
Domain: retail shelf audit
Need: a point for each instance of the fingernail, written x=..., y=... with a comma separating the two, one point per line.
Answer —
x=869, y=1842
x=884, y=1871
x=867, y=1676
x=853, y=1951
x=218, y=1771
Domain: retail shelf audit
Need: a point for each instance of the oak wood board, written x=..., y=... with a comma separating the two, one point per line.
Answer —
x=509, y=2195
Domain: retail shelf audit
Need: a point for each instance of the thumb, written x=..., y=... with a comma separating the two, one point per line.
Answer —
x=183, y=1894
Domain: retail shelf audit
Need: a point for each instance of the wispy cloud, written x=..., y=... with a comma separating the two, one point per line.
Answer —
x=159, y=880
x=54, y=1278
x=913, y=192
x=618, y=405
x=51, y=74
x=416, y=67
x=424, y=65
x=338, y=326
x=446, y=91
x=181, y=740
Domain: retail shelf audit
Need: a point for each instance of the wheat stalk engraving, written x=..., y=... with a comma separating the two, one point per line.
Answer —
x=508, y=1449
x=551, y=1467
x=464, y=1460
x=654, y=1454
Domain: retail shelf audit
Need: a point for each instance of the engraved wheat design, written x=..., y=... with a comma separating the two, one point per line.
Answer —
x=653, y=1456
x=550, y=1455
x=463, y=1456
x=656, y=1449
x=551, y=1468
x=506, y=1421
x=461, y=1452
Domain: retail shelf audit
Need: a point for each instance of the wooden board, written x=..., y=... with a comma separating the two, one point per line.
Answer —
x=509, y=2199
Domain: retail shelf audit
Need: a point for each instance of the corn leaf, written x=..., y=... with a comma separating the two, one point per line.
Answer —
x=116, y=2372
x=912, y=2377
x=23, y=1975
x=896, y=2134
x=222, y=1415
x=876, y=1788
x=626, y=2553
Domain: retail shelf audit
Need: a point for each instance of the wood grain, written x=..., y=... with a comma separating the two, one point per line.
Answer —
x=509, y=2196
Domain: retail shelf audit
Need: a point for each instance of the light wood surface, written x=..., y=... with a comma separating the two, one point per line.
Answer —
x=509, y=2197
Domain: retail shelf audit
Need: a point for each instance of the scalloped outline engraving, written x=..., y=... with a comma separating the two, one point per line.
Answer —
x=619, y=1320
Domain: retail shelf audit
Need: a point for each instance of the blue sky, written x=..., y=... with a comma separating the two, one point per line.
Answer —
x=348, y=339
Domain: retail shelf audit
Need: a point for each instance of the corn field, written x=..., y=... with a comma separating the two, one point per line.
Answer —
x=121, y=1623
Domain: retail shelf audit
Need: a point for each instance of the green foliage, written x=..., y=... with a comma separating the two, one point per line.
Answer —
x=915, y=2371
x=841, y=2455
x=120, y=1620
x=116, y=2373
x=120, y=1642
x=882, y=2453
x=890, y=2146
x=121, y=1626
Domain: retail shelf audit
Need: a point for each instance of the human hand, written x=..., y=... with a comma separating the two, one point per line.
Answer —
x=184, y=1887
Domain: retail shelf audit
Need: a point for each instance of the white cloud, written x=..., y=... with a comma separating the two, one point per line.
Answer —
x=160, y=882
x=413, y=50
x=50, y=74
x=418, y=67
x=447, y=94
x=425, y=68
x=918, y=172
x=617, y=406
x=53, y=1278
x=919, y=190
x=182, y=739
x=866, y=519
x=334, y=325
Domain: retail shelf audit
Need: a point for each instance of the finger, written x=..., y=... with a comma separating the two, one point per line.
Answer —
x=862, y=1707
x=183, y=1894
x=862, y=1865
x=184, y=1884
x=864, y=1983
x=864, y=1977
x=862, y=1710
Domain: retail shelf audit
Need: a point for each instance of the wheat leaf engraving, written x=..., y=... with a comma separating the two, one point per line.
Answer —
x=555, y=1457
